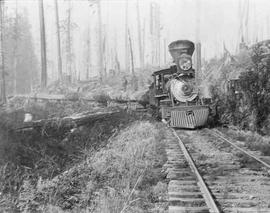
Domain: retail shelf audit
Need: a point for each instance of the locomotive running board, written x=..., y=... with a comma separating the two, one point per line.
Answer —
x=189, y=117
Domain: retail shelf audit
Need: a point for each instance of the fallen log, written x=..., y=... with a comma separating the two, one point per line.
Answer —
x=52, y=98
x=67, y=122
x=62, y=98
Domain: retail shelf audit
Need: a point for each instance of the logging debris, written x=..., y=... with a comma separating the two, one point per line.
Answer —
x=68, y=122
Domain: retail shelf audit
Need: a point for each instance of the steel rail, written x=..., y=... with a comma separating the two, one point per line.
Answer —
x=218, y=134
x=207, y=194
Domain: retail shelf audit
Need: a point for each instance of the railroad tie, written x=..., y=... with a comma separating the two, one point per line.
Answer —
x=184, y=192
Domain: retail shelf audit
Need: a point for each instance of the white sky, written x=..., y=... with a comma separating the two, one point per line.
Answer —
x=219, y=22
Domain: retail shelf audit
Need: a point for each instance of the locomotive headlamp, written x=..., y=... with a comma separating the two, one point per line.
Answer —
x=185, y=63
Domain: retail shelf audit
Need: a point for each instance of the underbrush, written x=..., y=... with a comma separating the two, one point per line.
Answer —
x=101, y=167
x=131, y=168
x=123, y=177
x=73, y=96
x=102, y=98
x=246, y=161
x=252, y=140
x=29, y=160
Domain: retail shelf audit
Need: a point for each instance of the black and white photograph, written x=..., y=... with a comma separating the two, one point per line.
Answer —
x=134, y=106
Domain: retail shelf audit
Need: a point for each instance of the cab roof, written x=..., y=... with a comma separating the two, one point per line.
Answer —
x=168, y=71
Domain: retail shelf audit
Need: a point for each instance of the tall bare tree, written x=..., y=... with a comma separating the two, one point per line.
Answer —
x=68, y=42
x=104, y=55
x=165, y=50
x=155, y=32
x=15, y=49
x=59, y=55
x=88, y=53
x=3, y=87
x=139, y=36
x=198, y=74
x=116, y=60
x=100, y=42
x=42, y=46
x=126, y=38
x=143, y=40
x=131, y=54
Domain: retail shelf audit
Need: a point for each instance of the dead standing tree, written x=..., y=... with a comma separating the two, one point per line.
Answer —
x=139, y=36
x=68, y=43
x=131, y=54
x=59, y=56
x=100, y=42
x=104, y=56
x=117, y=63
x=42, y=46
x=126, y=38
x=134, y=81
x=155, y=32
x=100, y=49
x=67, y=27
x=15, y=49
x=88, y=53
x=3, y=83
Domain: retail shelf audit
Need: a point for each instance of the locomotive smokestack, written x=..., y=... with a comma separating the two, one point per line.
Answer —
x=177, y=48
x=182, y=51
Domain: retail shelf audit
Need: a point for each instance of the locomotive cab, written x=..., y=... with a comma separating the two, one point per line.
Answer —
x=161, y=78
x=176, y=92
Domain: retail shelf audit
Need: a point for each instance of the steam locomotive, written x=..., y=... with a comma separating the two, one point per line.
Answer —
x=175, y=91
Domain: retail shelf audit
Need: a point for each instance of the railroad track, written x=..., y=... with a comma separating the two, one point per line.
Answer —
x=249, y=153
x=253, y=173
x=232, y=186
x=187, y=189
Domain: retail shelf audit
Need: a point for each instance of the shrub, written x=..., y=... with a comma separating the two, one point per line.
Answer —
x=255, y=85
x=127, y=166
x=120, y=177
x=120, y=100
x=246, y=161
x=252, y=140
x=27, y=157
x=73, y=96
x=102, y=99
x=224, y=106
x=251, y=109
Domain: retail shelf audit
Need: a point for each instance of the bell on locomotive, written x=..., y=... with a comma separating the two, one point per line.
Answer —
x=176, y=93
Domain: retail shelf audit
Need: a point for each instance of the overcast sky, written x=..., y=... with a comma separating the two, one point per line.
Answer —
x=219, y=23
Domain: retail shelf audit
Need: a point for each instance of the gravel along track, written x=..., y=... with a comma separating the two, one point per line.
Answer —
x=237, y=183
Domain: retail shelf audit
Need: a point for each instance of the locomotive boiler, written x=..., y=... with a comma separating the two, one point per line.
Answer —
x=175, y=91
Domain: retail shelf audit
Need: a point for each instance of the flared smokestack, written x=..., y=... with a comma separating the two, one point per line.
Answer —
x=177, y=48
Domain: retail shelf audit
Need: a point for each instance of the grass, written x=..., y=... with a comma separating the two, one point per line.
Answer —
x=132, y=163
x=246, y=161
x=252, y=140
x=202, y=157
x=115, y=169
x=102, y=98
x=73, y=96
x=29, y=158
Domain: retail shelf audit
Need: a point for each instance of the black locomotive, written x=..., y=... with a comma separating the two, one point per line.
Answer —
x=175, y=91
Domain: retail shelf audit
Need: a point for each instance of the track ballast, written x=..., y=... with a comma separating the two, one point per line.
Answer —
x=206, y=175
